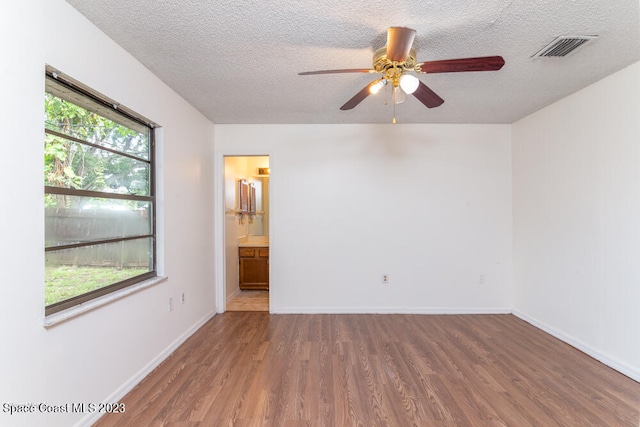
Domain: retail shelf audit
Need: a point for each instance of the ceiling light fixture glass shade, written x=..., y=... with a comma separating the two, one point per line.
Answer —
x=409, y=83
x=376, y=87
x=398, y=95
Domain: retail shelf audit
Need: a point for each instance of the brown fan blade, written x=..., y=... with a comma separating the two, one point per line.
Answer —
x=399, y=41
x=359, y=97
x=427, y=96
x=350, y=70
x=484, y=63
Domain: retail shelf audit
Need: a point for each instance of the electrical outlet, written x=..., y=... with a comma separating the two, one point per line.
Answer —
x=170, y=304
x=182, y=298
x=385, y=279
x=481, y=279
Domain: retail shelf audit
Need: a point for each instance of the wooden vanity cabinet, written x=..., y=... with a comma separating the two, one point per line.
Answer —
x=254, y=268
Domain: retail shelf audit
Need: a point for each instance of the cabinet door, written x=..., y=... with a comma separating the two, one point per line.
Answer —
x=254, y=268
x=254, y=273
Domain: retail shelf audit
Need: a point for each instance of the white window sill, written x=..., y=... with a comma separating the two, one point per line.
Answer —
x=70, y=313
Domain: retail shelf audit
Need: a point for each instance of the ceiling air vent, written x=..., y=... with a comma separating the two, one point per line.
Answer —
x=563, y=45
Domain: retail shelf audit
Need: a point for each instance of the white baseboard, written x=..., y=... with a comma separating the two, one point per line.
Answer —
x=390, y=310
x=621, y=367
x=125, y=388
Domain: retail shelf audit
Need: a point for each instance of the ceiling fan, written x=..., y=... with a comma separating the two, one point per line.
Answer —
x=397, y=59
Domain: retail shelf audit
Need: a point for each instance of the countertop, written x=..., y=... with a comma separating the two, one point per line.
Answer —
x=254, y=242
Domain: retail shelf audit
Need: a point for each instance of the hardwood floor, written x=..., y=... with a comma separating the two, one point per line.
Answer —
x=249, y=301
x=256, y=369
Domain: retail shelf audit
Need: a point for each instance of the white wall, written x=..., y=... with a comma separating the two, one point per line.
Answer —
x=428, y=204
x=576, y=195
x=99, y=354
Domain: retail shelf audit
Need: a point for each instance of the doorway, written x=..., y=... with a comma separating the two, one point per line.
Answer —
x=246, y=232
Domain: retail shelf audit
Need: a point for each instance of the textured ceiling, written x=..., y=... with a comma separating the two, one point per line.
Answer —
x=237, y=61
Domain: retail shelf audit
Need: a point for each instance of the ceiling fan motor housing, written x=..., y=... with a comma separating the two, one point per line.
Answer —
x=381, y=63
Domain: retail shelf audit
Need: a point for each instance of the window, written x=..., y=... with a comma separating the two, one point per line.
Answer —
x=99, y=196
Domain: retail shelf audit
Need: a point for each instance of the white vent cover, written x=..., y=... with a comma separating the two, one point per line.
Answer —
x=563, y=45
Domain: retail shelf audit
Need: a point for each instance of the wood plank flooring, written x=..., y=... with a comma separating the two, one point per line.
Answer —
x=257, y=369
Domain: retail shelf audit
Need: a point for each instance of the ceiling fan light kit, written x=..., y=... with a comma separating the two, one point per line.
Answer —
x=378, y=85
x=399, y=96
x=409, y=83
x=397, y=59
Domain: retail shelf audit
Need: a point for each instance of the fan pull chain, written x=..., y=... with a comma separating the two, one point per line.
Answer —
x=393, y=101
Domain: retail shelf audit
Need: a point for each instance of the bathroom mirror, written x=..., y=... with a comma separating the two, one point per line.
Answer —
x=259, y=223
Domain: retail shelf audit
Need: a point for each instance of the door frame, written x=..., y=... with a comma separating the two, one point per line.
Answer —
x=220, y=256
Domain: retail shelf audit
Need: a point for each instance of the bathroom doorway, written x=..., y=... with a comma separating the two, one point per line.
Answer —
x=246, y=232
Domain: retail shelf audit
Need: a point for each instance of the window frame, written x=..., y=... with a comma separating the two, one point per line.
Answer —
x=112, y=106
